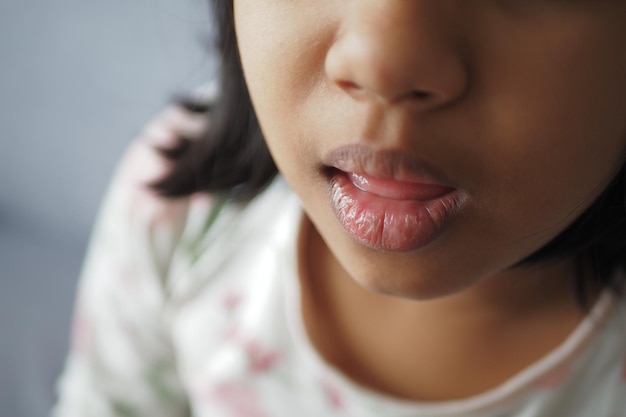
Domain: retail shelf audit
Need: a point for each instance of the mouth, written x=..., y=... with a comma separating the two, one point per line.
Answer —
x=388, y=203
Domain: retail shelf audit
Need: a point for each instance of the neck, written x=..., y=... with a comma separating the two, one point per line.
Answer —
x=427, y=349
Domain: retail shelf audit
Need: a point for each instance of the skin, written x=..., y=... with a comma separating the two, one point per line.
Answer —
x=519, y=103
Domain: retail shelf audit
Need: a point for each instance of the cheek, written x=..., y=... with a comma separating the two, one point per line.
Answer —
x=554, y=122
x=282, y=55
x=284, y=70
x=537, y=191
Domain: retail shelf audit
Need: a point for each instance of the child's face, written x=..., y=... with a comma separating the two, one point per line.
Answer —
x=514, y=109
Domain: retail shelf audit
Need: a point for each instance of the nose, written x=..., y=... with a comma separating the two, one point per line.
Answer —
x=398, y=51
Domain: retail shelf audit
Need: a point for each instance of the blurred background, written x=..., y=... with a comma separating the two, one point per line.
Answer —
x=78, y=80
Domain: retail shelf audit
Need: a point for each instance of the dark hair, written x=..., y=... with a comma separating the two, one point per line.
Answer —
x=233, y=159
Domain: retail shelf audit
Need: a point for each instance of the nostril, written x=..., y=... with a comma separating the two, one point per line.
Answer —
x=420, y=95
x=352, y=87
x=348, y=85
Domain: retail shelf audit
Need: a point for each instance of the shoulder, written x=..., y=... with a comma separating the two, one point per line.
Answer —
x=226, y=243
x=136, y=224
x=145, y=162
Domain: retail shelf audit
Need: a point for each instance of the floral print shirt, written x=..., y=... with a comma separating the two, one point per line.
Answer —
x=190, y=307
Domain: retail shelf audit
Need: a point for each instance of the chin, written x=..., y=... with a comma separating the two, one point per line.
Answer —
x=413, y=285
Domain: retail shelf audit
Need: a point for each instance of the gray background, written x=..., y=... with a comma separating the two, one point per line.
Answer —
x=78, y=79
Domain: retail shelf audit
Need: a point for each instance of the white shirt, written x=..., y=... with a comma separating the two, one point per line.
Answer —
x=192, y=307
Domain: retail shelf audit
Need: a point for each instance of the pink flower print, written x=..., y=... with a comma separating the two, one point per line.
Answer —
x=239, y=399
x=231, y=332
x=333, y=395
x=129, y=277
x=231, y=301
x=201, y=201
x=554, y=379
x=261, y=360
x=82, y=333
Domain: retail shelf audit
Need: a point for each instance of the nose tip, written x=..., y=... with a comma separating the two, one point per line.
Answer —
x=411, y=61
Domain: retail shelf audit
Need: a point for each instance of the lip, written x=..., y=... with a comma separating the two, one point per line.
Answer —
x=388, y=201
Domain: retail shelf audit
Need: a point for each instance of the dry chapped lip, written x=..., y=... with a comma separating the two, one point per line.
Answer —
x=392, y=224
x=387, y=200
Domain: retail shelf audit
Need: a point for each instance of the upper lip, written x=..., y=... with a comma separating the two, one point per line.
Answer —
x=390, y=163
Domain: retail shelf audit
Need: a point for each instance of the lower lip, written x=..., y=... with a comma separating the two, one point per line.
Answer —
x=382, y=220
